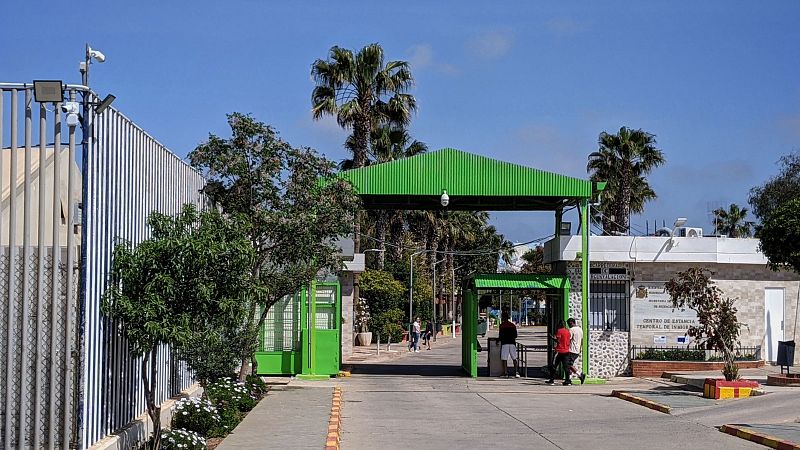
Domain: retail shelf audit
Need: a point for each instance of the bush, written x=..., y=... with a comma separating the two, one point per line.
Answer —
x=676, y=354
x=182, y=439
x=227, y=394
x=229, y=418
x=195, y=414
x=388, y=324
x=256, y=386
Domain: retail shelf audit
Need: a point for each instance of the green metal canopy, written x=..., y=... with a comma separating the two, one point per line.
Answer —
x=520, y=281
x=472, y=182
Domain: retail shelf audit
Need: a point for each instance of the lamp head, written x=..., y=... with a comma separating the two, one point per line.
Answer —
x=445, y=200
x=679, y=222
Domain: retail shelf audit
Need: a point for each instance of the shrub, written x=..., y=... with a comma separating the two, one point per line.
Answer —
x=676, y=354
x=182, y=439
x=256, y=386
x=227, y=394
x=229, y=418
x=195, y=414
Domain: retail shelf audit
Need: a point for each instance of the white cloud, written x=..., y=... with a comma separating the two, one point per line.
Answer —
x=422, y=57
x=564, y=26
x=492, y=45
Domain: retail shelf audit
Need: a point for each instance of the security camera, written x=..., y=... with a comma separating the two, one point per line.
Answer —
x=70, y=108
x=445, y=199
x=96, y=54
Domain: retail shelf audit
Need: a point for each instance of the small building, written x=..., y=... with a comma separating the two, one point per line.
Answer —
x=628, y=304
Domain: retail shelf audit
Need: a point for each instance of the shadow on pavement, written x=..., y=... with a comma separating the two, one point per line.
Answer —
x=426, y=370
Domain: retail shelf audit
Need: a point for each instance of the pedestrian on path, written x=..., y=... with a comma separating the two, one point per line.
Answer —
x=562, y=338
x=508, y=342
x=429, y=333
x=413, y=341
x=575, y=345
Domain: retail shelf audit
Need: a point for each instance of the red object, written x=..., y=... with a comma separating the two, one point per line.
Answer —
x=716, y=388
x=563, y=337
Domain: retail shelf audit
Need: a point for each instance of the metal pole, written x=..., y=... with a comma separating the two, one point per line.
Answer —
x=453, y=299
x=433, y=298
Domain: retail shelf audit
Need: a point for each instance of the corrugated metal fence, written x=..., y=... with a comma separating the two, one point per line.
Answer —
x=66, y=379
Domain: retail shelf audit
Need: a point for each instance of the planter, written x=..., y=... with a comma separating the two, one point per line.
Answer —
x=364, y=338
x=792, y=379
x=646, y=368
x=717, y=389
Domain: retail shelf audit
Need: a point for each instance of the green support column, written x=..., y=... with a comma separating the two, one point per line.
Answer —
x=584, y=213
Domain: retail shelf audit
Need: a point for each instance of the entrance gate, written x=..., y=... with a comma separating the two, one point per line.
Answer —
x=475, y=286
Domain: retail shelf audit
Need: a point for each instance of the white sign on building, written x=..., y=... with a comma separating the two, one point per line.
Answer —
x=652, y=310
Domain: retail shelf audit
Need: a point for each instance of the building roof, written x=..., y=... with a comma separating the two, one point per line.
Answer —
x=520, y=281
x=473, y=182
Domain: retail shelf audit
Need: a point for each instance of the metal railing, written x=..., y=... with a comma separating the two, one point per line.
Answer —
x=684, y=353
x=522, y=355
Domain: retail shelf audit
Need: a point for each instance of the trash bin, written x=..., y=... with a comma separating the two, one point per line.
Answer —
x=482, y=325
x=785, y=354
x=494, y=362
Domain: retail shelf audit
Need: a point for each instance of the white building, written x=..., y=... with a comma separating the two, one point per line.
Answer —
x=628, y=304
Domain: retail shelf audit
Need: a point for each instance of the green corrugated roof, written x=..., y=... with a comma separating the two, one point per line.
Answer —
x=520, y=281
x=471, y=181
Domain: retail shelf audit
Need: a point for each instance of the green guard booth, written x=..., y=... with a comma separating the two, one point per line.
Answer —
x=302, y=334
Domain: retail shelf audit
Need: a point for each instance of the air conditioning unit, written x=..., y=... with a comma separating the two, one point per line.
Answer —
x=689, y=232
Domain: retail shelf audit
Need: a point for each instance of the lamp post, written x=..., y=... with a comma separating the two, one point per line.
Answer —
x=433, y=297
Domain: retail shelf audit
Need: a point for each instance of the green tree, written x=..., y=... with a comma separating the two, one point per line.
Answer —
x=382, y=292
x=779, y=189
x=731, y=222
x=779, y=234
x=294, y=218
x=624, y=160
x=363, y=93
x=717, y=328
x=190, y=276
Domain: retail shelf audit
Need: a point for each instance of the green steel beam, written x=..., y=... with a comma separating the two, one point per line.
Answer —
x=584, y=213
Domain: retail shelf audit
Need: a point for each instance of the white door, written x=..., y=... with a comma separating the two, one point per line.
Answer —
x=773, y=322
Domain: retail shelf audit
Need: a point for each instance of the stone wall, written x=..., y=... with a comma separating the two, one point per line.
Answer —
x=346, y=285
x=608, y=354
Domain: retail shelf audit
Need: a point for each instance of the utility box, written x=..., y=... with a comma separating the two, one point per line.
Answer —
x=494, y=362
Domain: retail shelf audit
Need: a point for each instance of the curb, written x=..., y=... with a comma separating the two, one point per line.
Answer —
x=758, y=438
x=640, y=401
x=335, y=423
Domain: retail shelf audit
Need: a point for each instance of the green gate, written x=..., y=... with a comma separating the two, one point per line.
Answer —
x=301, y=334
x=558, y=289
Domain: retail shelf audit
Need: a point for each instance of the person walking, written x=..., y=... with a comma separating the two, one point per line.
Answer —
x=428, y=334
x=562, y=338
x=575, y=345
x=413, y=341
x=508, y=343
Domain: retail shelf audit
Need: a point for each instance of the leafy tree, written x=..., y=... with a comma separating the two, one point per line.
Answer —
x=382, y=292
x=780, y=236
x=718, y=328
x=190, y=276
x=364, y=94
x=778, y=190
x=294, y=217
x=534, y=261
x=388, y=325
x=731, y=222
x=624, y=160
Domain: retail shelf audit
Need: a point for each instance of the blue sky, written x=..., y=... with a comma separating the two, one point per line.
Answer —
x=717, y=82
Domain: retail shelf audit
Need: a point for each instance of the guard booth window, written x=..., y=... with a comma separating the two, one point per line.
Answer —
x=609, y=302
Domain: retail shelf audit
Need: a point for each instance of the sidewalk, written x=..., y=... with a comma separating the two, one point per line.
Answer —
x=286, y=418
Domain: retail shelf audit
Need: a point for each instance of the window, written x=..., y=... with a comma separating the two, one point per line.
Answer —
x=609, y=302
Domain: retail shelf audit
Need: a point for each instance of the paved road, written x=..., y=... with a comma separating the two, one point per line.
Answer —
x=421, y=401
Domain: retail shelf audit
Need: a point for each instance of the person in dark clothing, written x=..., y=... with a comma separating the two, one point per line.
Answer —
x=429, y=334
x=508, y=343
x=562, y=338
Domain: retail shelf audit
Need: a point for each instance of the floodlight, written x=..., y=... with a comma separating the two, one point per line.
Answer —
x=105, y=103
x=48, y=91
x=445, y=200
x=565, y=228
x=679, y=222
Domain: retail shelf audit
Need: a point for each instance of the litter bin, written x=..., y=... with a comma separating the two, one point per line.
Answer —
x=482, y=325
x=785, y=354
x=494, y=362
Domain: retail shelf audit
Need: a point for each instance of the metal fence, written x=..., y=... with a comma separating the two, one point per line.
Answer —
x=127, y=175
x=690, y=353
x=66, y=379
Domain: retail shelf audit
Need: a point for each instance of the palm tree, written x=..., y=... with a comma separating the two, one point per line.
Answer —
x=363, y=93
x=731, y=222
x=623, y=160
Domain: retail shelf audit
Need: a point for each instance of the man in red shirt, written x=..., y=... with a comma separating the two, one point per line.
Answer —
x=562, y=338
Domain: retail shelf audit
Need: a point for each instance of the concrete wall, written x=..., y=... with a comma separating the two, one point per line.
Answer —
x=346, y=284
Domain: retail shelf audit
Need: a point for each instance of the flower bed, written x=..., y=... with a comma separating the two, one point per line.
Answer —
x=642, y=368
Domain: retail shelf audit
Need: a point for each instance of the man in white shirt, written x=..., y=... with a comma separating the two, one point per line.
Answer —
x=575, y=345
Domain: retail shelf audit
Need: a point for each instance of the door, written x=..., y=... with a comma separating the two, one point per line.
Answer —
x=773, y=322
x=325, y=332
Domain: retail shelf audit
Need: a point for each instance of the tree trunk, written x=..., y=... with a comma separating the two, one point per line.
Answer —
x=396, y=231
x=149, y=380
x=625, y=201
x=381, y=225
